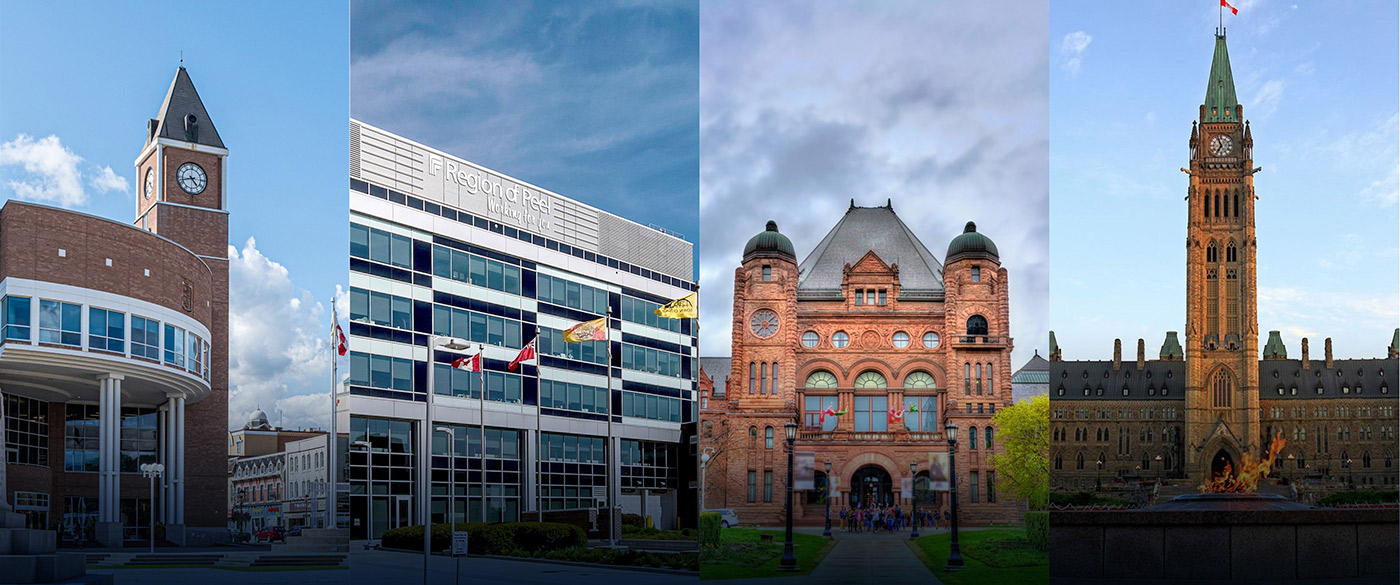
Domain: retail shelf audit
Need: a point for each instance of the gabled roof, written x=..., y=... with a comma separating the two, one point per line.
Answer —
x=870, y=229
x=1220, y=89
x=181, y=100
x=717, y=368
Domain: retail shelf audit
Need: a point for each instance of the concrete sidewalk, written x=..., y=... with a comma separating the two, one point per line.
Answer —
x=878, y=558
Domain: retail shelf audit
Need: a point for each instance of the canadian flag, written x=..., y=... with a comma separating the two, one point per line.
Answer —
x=339, y=337
x=470, y=363
x=1233, y=10
x=526, y=353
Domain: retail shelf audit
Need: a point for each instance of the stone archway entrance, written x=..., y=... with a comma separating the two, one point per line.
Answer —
x=871, y=485
x=1218, y=463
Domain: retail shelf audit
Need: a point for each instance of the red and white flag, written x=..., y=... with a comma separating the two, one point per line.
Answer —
x=896, y=414
x=526, y=353
x=338, y=337
x=469, y=363
x=1233, y=10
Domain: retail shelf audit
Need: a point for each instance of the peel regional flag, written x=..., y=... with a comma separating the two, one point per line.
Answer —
x=896, y=414
x=682, y=308
x=526, y=353
x=595, y=330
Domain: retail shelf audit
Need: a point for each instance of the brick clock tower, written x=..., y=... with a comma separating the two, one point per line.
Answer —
x=1222, y=374
x=182, y=196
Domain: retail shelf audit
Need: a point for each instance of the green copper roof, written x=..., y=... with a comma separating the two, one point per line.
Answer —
x=1220, y=91
x=769, y=242
x=1054, y=346
x=1171, y=348
x=1274, y=349
x=1395, y=342
x=970, y=243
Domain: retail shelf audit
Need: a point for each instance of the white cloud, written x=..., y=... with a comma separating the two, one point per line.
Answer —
x=1072, y=49
x=278, y=344
x=1267, y=98
x=50, y=170
x=106, y=181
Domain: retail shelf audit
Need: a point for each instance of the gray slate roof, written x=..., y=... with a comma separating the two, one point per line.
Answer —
x=865, y=229
x=1376, y=378
x=180, y=101
x=718, y=368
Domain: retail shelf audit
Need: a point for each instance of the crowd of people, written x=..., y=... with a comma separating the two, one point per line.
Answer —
x=869, y=517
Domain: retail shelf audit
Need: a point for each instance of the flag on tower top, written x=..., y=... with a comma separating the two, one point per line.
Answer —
x=1233, y=10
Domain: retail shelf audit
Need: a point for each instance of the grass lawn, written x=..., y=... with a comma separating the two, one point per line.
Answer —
x=741, y=555
x=258, y=569
x=989, y=556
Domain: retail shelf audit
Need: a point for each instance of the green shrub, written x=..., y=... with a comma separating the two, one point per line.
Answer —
x=709, y=529
x=1360, y=497
x=633, y=520
x=493, y=538
x=1038, y=530
x=1084, y=498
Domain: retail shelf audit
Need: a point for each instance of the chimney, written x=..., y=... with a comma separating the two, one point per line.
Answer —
x=1305, y=353
x=1142, y=353
x=1117, y=354
x=1327, y=351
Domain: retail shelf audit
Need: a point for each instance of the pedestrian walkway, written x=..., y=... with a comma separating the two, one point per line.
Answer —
x=874, y=558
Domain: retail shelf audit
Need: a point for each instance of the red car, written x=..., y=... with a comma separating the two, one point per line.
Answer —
x=271, y=534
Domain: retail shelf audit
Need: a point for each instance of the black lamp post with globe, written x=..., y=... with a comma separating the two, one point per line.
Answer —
x=955, y=559
x=826, y=532
x=788, y=562
x=914, y=491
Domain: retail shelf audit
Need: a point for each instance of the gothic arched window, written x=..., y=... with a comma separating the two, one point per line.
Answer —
x=976, y=325
x=1221, y=389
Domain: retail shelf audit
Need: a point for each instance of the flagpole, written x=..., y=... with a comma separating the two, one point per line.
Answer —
x=539, y=495
x=330, y=442
x=613, y=518
x=481, y=424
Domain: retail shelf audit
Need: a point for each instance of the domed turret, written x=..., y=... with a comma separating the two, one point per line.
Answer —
x=258, y=420
x=770, y=243
x=971, y=244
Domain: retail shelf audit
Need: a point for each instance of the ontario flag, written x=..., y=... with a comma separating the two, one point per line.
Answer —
x=469, y=363
x=338, y=336
x=1233, y=10
x=526, y=353
x=896, y=414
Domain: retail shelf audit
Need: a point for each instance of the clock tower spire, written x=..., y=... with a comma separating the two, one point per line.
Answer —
x=1222, y=398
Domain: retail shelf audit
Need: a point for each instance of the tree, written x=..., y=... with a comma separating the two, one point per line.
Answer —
x=1023, y=430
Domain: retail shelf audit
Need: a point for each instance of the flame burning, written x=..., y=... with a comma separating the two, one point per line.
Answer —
x=1251, y=471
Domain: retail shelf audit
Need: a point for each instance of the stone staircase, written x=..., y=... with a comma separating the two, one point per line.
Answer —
x=30, y=556
x=316, y=540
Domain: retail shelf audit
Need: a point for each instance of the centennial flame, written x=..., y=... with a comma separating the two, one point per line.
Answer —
x=1251, y=471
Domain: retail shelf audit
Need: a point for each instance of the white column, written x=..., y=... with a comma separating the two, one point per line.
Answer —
x=104, y=447
x=161, y=458
x=180, y=460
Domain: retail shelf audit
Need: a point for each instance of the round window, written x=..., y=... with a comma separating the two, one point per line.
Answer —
x=931, y=340
x=840, y=339
x=810, y=339
x=901, y=340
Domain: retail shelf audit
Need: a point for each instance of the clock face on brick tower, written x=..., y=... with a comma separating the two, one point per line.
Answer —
x=192, y=178
x=182, y=161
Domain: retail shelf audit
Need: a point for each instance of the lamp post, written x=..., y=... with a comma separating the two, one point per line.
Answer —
x=955, y=560
x=425, y=486
x=826, y=532
x=1158, y=459
x=1351, y=473
x=914, y=492
x=369, y=492
x=1098, y=473
x=705, y=457
x=1291, y=459
x=152, y=471
x=789, y=561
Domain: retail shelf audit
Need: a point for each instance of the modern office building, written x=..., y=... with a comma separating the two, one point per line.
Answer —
x=113, y=351
x=442, y=248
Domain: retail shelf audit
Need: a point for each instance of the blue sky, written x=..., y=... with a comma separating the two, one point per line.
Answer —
x=939, y=107
x=595, y=101
x=1318, y=82
x=273, y=76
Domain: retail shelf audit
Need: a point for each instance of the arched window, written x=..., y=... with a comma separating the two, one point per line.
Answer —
x=1389, y=458
x=821, y=379
x=753, y=377
x=767, y=437
x=1079, y=461
x=1221, y=389
x=988, y=442
x=1103, y=459
x=972, y=438
x=773, y=378
x=1059, y=462
x=1146, y=462
x=1346, y=461
x=967, y=378
x=1366, y=459
x=1237, y=202
x=920, y=379
x=1217, y=203
x=976, y=325
x=763, y=378
x=1212, y=253
x=990, y=387
x=870, y=379
x=1230, y=254
x=753, y=437
x=1205, y=205
x=978, y=367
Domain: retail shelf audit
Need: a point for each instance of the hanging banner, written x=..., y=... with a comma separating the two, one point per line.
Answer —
x=938, y=471
x=804, y=468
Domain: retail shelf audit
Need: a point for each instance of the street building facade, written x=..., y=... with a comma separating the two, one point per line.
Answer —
x=443, y=249
x=1212, y=397
x=871, y=345
x=113, y=345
